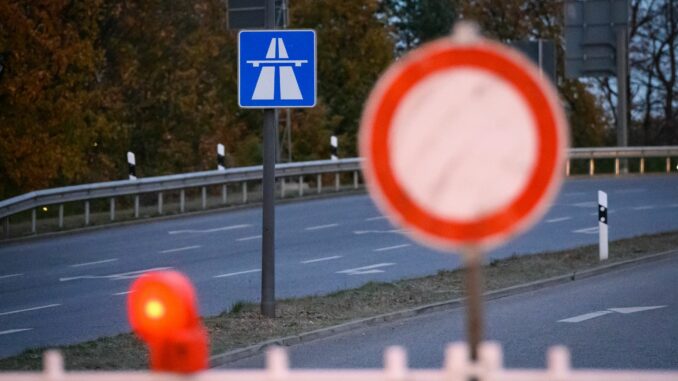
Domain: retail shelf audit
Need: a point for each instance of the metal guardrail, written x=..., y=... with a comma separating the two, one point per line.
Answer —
x=301, y=170
x=456, y=367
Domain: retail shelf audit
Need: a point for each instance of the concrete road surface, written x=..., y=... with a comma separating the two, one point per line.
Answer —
x=72, y=288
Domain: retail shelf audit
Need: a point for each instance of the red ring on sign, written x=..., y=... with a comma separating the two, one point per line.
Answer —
x=548, y=150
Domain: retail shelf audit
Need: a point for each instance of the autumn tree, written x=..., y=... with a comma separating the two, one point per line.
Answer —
x=353, y=50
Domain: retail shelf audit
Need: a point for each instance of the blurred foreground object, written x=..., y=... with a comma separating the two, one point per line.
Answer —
x=162, y=309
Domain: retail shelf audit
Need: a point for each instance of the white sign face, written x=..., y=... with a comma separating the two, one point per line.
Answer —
x=442, y=129
x=464, y=143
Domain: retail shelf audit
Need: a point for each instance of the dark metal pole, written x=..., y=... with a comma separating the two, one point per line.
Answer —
x=474, y=302
x=622, y=93
x=268, y=185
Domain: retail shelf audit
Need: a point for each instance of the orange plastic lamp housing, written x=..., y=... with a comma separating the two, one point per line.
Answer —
x=162, y=311
x=161, y=303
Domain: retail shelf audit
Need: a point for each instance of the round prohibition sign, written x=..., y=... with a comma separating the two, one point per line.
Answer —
x=463, y=143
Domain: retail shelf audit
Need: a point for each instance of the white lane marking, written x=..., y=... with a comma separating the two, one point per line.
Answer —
x=10, y=276
x=575, y=193
x=122, y=293
x=673, y=206
x=631, y=310
x=631, y=190
x=375, y=218
x=249, y=238
x=644, y=207
x=587, y=204
x=9, y=331
x=29, y=309
x=238, y=273
x=593, y=230
x=584, y=317
x=392, y=247
x=94, y=263
x=372, y=269
x=180, y=249
x=559, y=219
x=321, y=227
x=392, y=231
x=221, y=229
x=119, y=276
x=321, y=259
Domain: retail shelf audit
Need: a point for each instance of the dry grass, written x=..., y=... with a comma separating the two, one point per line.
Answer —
x=243, y=325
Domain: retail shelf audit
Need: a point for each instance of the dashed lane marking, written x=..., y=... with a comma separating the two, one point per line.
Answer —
x=372, y=269
x=389, y=248
x=377, y=218
x=122, y=293
x=94, y=263
x=321, y=227
x=592, y=230
x=238, y=273
x=10, y=276
x=29, y=309
x=392, y=231
x=249, y=238
x=10, y=331
x=644, y=207
x=559, y=219
x=220, y=229
x=180, y=249
x=320, y=259
x=119, y=276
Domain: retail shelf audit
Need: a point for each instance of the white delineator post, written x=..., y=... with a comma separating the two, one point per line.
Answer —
x=334, y=144
x=602, y=225
x=221, y=157
x=132, y=163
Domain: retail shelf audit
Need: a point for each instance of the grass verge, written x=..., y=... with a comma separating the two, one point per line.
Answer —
x=243, y=325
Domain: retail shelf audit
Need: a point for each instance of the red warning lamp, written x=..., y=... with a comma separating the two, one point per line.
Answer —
x=162, y=311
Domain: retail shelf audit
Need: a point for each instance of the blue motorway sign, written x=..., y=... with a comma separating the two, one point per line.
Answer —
x=276, y=68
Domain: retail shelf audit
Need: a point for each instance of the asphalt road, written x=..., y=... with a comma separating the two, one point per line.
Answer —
x=622, y=319
x=72, y=288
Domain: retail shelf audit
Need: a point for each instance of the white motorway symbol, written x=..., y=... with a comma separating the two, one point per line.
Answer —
x=620, y=310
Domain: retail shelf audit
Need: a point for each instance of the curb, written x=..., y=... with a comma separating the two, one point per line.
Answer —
x=252, y=350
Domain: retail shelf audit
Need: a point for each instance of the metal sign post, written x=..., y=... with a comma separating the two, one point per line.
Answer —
x=268, y=185
x=276, y=69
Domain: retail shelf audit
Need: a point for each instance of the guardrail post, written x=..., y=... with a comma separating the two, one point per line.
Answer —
x=136, y=206
x=355, y=179
x=567, y=167
x=182, y=201
x=112, y=202
x=244, y=192
x=282, y=187
x=319, y=183
x=34, y=224
x=86, y=213
x=159, y=202
x=224, y=194
x=668, y=165
x=61, y=216
x=336, y=182
x=204, y=197
x=592, y=167
x=642, y=165
x=301, y=186
x=616, y=166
